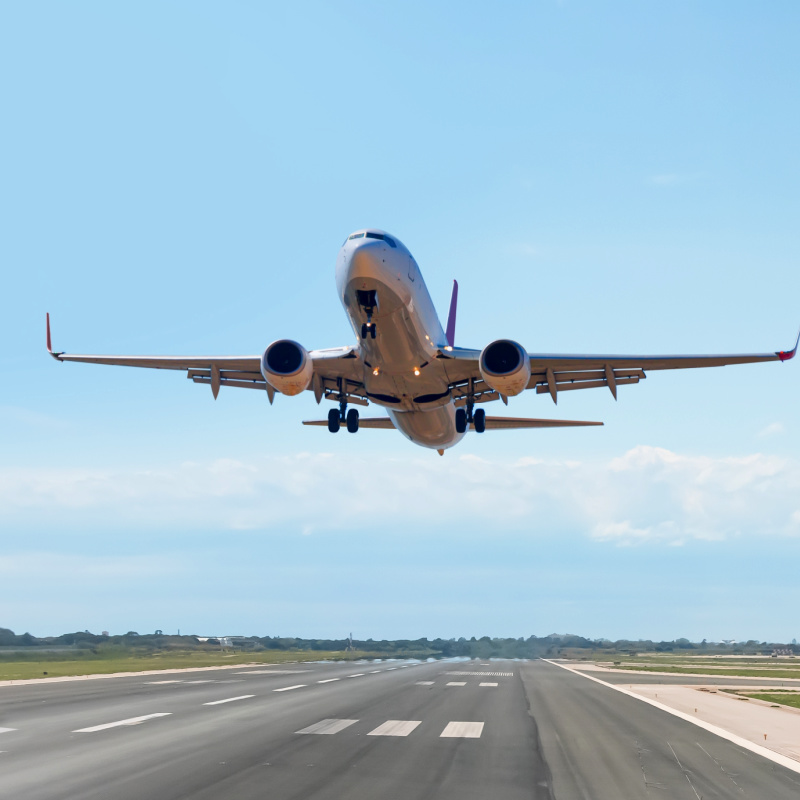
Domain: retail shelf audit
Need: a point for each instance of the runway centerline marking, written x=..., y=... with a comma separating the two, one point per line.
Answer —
x=462, y=730
x=329, y=726
x=273, y=672
x=229, y=700
x=329, y=680
x=374, y=671
x=391, y=668
x=158, y=683
x=289, y=688
x=487, y=684
x=424, y=683
x=357, y=675
x=7, y=730
x=131, y=721
x=457, y=683
x=395, y=727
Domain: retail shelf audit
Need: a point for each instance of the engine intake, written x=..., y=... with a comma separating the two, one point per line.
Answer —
x=286, y=366
x=505, y=367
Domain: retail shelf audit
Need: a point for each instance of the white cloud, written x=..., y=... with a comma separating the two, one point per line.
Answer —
x=773, y=430
x=646, y=494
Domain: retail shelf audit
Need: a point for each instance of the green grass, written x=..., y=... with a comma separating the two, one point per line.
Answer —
x=703, y=669
x=99, y=665
x=785, y=699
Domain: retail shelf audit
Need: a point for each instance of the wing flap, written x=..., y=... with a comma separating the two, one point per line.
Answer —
x=379, y=423
x=512, y=423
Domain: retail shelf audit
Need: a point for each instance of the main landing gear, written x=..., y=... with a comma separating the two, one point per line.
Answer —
x=368, y=328
x=337, y=416
x=465, y=416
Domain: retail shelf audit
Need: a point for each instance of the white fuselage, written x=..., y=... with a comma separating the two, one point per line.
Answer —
x=401, y=371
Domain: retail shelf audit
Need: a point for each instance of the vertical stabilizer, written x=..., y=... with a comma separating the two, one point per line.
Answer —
x=451, y=317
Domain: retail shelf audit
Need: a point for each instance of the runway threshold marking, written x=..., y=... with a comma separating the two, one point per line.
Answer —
x=329, y=726
x=131, y=721
x=289, y=688
x=746, y=744
x=457, y=683
x=395, y=727
x=329, y=680
x=229, y=700
x=462, y=730
x=487, y=684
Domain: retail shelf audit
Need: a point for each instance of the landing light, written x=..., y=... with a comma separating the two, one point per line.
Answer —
x=375, y=371
x=448, y=348
x=416, y=371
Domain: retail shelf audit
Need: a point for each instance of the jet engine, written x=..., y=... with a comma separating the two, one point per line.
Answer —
x=287, y=367
x=505, y=367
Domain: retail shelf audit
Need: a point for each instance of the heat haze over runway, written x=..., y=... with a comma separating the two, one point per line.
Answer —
x=390, y=729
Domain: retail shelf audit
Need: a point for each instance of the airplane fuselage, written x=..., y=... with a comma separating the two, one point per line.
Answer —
x=401, y=372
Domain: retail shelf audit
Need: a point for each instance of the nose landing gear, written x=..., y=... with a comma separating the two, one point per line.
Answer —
x=368, y=300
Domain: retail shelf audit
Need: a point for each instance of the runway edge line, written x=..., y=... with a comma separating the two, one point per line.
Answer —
x=758, y=749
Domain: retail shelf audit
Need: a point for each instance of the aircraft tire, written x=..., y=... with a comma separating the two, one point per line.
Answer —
x=461, y=420
x=352, y=420
x=333, y=420
x=479, y=420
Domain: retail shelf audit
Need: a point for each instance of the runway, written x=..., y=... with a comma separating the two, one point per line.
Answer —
x=503, y=730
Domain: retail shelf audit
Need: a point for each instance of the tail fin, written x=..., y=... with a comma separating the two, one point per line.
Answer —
x=451, y=317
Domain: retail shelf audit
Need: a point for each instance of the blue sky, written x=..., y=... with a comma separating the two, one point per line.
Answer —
x=616, y=177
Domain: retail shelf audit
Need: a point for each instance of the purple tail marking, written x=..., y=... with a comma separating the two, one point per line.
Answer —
x=451, y=317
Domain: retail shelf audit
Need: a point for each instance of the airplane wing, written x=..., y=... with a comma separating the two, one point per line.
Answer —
x=492, y=423
x=554, y=373
x=335, y=370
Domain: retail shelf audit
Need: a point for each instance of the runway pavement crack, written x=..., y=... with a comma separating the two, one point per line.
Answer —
x=684, y=771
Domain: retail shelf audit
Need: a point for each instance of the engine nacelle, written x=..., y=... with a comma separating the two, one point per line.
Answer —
x=287, y=367
x=505, y=367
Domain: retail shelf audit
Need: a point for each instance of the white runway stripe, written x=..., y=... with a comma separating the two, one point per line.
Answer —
x=157, y=683
x=457, y=683
x=229, y=700
x=487, y=684
x=374, y=671
x=395, y=727
x=273, y=672
x=131, y=721
x=328, y=680
x=289, y=688
x=205, y=681
x=357, y=675
x=424, y=683
x=7, y=730
x=484, y=674
x=462, y=730
x=329, y=726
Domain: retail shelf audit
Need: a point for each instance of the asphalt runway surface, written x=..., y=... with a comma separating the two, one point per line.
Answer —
x=498, y=730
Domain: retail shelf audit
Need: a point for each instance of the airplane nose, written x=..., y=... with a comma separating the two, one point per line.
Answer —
x=368, y=259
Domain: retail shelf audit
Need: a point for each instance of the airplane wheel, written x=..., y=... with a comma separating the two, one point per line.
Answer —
x=461, y=420
x=364, y=331
x=372, y=330
x=352, y=420
x=333, y=420
x=479, y=420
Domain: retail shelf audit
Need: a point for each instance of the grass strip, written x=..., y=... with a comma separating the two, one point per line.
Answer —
x=50, y=668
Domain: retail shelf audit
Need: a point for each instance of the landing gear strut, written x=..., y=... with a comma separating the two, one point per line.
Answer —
x=466, y=416
x=368, y=300
x=341, y=415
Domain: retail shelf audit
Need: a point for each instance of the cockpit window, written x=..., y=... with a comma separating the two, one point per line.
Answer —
x=356, y=235
x=383, y=237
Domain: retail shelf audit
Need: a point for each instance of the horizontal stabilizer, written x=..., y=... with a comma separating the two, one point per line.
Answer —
x=509, y=423
x=370, y=422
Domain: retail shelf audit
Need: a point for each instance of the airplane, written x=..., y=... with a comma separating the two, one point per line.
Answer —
x=408, y=364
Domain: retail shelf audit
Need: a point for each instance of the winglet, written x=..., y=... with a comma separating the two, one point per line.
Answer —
x=451, y=317
x=783, y=355
x=49, y=343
